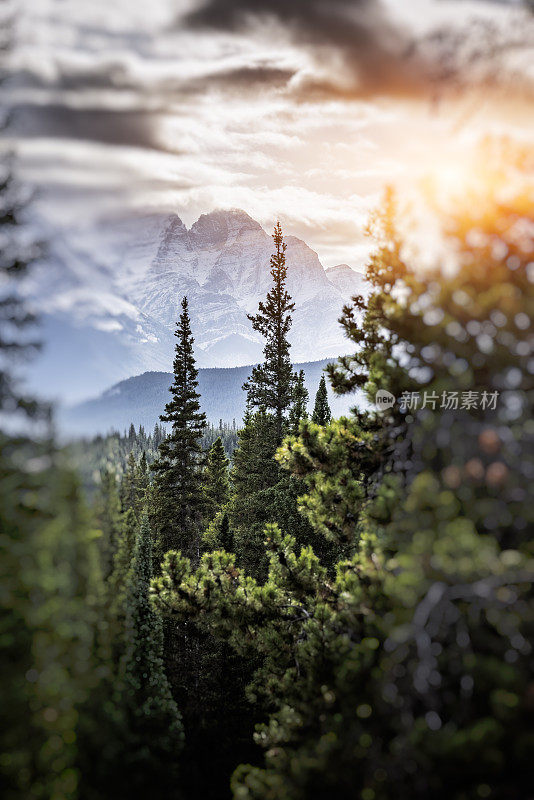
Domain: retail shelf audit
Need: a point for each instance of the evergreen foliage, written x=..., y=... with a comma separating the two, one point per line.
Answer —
x=51, y=595
x=254, y=472
x=407, y=673
x=225, y=535
x=142, y=481
x=178, y=496
x=16, y=342
x=109, y=520
x=91, y=456
x=49, y=619
x=299, y=408
x=348, y=611
x=122, y=566
x=216, y=482
x=270, y=386
x=128, y=485
x=263, y=492
x=321, y=410
x=154, y=727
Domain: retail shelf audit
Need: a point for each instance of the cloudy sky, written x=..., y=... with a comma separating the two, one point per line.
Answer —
x=297, y=109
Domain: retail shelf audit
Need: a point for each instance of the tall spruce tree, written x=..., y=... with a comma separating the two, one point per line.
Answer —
x=270, y=386
x=177, y=512
x=262, y=491
x=177, y=517
x=321, y=410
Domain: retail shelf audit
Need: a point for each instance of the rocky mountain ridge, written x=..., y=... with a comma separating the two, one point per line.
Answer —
x=109, y=296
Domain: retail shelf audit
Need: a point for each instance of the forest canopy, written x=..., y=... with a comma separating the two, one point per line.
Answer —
x=307, y=607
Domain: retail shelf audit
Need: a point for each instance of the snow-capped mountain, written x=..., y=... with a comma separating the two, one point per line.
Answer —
x=109, y=297
x=346, y=280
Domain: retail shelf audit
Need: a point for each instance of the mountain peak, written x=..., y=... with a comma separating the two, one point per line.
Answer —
x=126, y=304
x=223, y=223
x=339, y=269
x=347, y=280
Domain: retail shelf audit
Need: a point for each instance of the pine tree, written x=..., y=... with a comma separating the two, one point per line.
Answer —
x=270, y=386
x=321, y=411
x=109, y=520
x=155, y=731
x=128, y=487
x=254, y=472
x=142, y=484
x=219, y=535
x=15, y=319
x=262, y=492
x=216, y=483
x=226, y=537
x=299, y=408
x=178, y=495
x=177, y=512
x=122, y=563
x=158, y=435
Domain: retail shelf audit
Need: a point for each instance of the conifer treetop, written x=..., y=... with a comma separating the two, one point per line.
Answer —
x=299, y=410
x=321, y=412
x=183, y=410
x=178, y=501
x=270, y=386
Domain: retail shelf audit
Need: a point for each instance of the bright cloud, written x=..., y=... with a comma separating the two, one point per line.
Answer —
x=303, y=111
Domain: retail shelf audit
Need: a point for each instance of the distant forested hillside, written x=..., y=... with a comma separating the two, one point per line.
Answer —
x=93, y=455
x=139, y=400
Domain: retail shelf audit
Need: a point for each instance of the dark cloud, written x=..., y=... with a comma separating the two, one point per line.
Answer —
x=134, y=128
x=115, y=77
x=99, y=75
x=246, y=77
x=376, y=55
x=359, y=51
x=374, y=50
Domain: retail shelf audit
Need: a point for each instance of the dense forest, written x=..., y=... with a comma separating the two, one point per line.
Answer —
x=115, y=451
x=307, y=607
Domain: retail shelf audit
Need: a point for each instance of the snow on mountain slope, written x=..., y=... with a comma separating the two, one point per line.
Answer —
x=116, y=288
x=347, y=280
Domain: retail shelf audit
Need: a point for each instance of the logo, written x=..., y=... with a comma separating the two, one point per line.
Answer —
x=384, y=399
